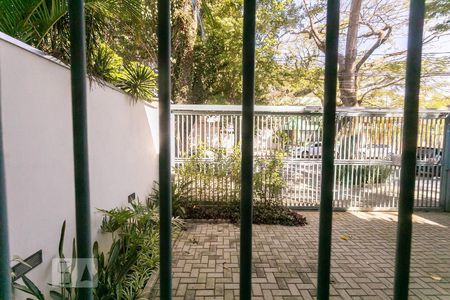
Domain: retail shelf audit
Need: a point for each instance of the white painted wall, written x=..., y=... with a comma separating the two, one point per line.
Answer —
x=36, y=109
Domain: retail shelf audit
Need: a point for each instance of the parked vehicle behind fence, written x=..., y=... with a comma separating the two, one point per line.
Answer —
x=376, y=151
x=313, y=149
x=429, y=162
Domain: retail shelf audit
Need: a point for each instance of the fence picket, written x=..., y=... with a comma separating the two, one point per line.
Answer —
x=367, y=148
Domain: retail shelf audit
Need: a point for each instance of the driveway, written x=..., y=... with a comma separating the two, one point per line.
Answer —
x=206, y=258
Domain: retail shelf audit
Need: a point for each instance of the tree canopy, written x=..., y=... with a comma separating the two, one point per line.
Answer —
x=207, y=42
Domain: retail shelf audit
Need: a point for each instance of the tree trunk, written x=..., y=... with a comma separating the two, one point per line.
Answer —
x=184, y=33
x=348, y=86
x=347, y=66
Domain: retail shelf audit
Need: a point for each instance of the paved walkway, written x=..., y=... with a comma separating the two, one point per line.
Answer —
x=284, y=259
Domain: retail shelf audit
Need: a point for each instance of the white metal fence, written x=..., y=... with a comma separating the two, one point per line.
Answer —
x=367, y=155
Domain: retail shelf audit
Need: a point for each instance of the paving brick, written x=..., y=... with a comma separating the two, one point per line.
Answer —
x=285, y=259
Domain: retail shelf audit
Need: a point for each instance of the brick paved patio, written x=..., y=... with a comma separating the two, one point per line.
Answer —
x=205, y=262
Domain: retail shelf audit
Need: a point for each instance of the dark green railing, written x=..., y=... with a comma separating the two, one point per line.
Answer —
x=78, y=71
x=5, y=270
x=248, y=95
x=164, y=148
x=80, y=138
x=329, y=132
x=408, y=171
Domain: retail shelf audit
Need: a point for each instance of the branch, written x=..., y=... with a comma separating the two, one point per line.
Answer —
x=319, y=42
x=426, y=40
x=381, y=87
x=383, y=35
x=375, y=87
x=372, y=30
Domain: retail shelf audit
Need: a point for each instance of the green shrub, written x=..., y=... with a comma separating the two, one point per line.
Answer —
x=105, y=64
x=268, y=181
x=181, y=196
x=138, y=80
x=263, y=213
x=214, y=175
x=211, y=182
x=133, y=255
x=277, y=215
x=362, y=175
x=134, y=252
x=221, y=211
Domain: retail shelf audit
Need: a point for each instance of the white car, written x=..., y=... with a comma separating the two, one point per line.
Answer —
x=313, y=149
x=376, y=151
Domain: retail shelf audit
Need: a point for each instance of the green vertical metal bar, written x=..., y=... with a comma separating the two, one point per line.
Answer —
x=80, y=136
x=445, y=168
x=164, y=95
x=5, y=270
x=410, y=128
x=329, y=133
x=248, y=95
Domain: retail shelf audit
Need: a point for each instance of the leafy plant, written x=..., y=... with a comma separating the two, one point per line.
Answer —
x=268, y=178
x=212, y=179
x=45, y=25
x=131, y=259
x=134, y=249
x=263, y=213
x=269, y=213
x=363, y=175
x=105, y=64
x=181, y=197
x=63, y=293
x=214, y=175
x=30, y=288
x=138, y=80
x=134, y=253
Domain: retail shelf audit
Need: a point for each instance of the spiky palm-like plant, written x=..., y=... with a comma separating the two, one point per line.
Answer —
x=44, y=24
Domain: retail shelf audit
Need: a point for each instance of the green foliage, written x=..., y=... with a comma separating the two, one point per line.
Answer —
x=63, y=293
x=289, y=68
x=134, y=249
x=217, y=56
x=269, y=213
x=206, y=168
x=45, y=25
x=134, y=78
x=228, y=211
x=105, y=64
x=30, y=288
x=383, y=82
x=207, y=44
x=263, y=213
x=138, y=80
x=181, y=196
x=134, y=253
x=131, y=260
x=214, y=175
x=363, y=175
x=439, y=10
x=268, y=178
x=212, y=178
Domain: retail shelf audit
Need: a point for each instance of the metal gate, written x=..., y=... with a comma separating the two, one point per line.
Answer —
x=411, y=150
x=367, y=153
